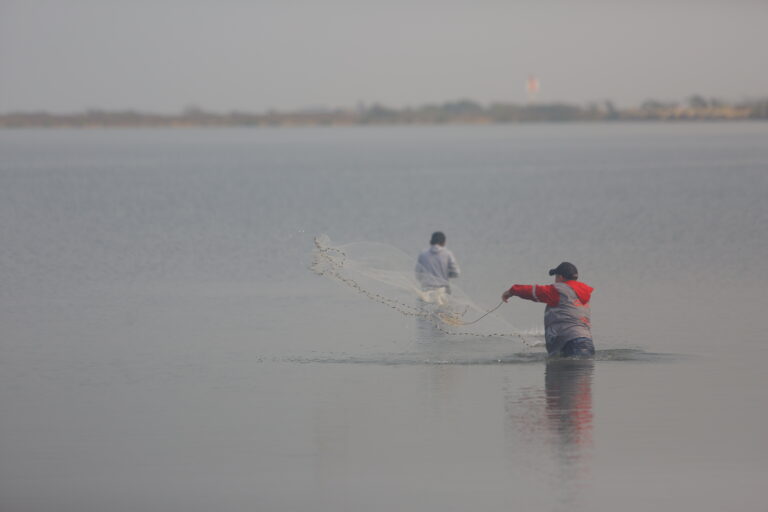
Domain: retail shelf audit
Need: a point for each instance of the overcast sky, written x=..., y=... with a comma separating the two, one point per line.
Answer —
x=222, y=55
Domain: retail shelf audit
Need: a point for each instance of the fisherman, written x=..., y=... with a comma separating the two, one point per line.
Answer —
x=436, y=265
x=567, y=326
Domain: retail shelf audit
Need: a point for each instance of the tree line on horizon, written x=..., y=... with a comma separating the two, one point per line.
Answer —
x=453, y=112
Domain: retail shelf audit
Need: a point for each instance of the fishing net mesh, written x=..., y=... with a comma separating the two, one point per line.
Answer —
x=387, y=275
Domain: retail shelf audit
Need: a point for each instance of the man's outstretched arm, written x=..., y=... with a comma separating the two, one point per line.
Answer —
x=547, y=294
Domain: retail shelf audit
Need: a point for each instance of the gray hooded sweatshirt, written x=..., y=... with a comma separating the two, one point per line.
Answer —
x=435, y=266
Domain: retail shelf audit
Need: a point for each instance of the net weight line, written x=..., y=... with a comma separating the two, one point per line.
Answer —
x=335, y=268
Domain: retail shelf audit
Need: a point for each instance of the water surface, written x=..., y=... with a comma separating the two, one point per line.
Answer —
x=164, y=346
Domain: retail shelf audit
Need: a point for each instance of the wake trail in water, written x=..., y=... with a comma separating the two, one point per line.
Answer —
x=429, y=359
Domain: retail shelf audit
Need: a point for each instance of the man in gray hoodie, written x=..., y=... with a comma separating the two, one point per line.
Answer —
x=436, y=265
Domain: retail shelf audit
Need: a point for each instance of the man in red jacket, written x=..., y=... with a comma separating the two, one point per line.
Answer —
x=567, y=326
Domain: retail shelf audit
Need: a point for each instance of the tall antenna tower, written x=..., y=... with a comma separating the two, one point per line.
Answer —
x=532, y=87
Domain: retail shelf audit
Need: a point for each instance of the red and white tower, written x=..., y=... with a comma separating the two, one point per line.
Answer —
x=532, y=87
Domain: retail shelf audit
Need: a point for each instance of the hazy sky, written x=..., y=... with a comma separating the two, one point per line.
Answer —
x=164, y=55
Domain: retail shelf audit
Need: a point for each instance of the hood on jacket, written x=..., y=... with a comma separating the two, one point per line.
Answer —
x=583, y=291
x=436, y=248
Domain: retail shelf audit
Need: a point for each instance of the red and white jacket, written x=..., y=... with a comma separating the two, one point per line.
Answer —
x=567, y=315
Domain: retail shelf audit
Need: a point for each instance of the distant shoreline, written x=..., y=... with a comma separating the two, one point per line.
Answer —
x=458, y=112
x=180, y=127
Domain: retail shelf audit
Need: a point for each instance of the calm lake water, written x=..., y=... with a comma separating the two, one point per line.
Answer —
x=164, y=346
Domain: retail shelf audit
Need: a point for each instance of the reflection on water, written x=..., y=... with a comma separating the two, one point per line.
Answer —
x=550, y=429
x=568, y=388
x=427, y=332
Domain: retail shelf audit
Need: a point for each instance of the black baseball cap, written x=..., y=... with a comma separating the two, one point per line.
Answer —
x=565, y=269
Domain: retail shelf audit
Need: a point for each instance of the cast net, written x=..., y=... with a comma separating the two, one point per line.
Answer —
x=387, y=275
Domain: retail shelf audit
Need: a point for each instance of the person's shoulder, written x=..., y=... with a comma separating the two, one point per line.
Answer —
x=582, y=290
x=580, y=286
